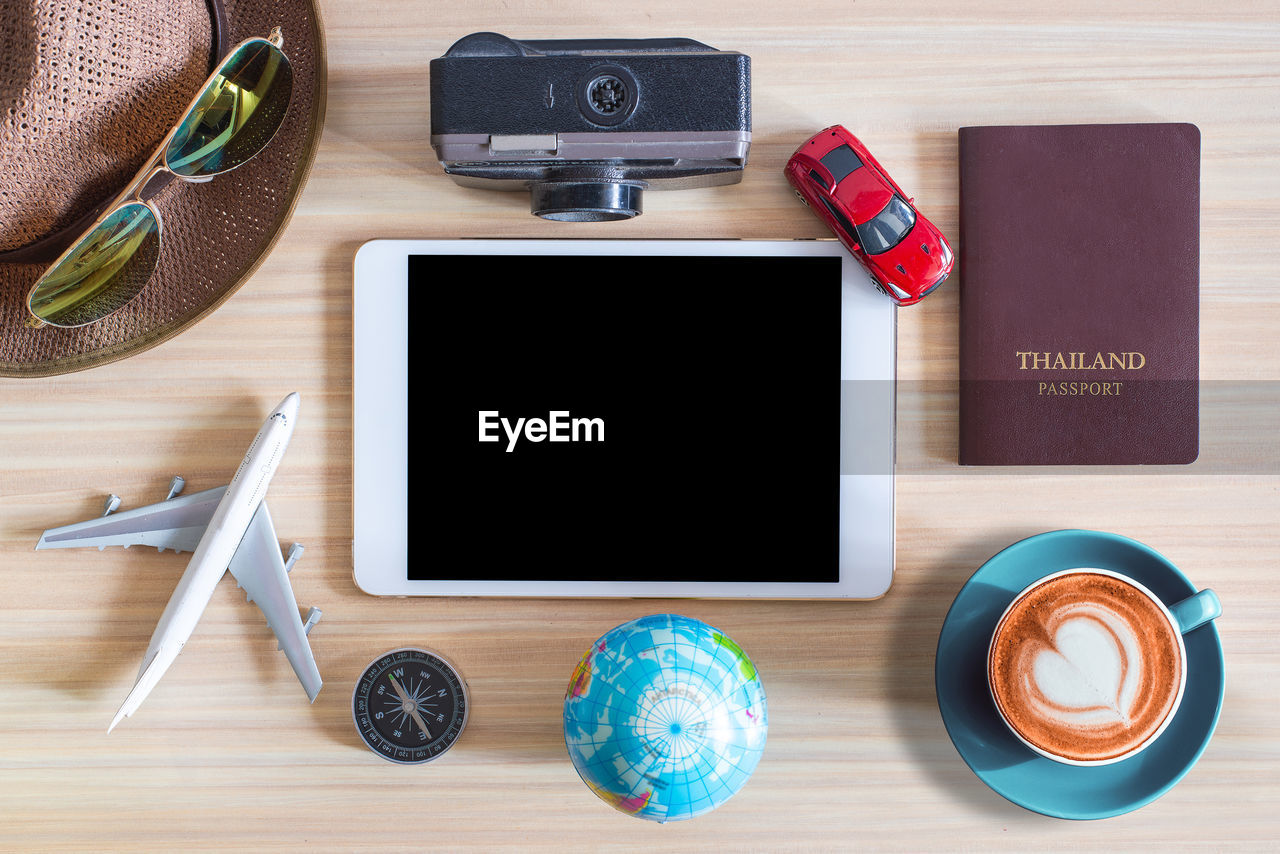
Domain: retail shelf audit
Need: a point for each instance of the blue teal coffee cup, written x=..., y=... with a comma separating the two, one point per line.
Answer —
x=1091, y=658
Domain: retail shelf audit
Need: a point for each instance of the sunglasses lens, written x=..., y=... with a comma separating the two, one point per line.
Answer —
x=105, y=270
x=235, y=115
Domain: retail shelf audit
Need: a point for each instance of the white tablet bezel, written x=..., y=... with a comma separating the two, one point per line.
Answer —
x=380, y=417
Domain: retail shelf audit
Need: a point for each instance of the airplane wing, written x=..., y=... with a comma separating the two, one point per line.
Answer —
x=176, y=523
x=259, y=568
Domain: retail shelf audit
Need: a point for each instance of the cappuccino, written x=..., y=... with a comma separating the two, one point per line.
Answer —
x=1086, y=667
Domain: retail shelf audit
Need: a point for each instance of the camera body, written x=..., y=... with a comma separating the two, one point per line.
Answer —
x=587, y=124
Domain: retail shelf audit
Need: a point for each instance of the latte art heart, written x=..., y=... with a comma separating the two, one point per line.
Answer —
x=1086, y=667
x=1090, y=674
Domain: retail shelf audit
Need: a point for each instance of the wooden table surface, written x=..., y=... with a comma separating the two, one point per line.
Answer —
x=227, y=754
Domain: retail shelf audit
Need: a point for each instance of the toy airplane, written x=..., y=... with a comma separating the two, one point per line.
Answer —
x=226, y=528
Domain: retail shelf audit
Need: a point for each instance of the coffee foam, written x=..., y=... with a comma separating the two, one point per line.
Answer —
x=1085, y=667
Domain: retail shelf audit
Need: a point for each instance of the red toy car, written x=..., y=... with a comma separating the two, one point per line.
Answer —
x=906, y=255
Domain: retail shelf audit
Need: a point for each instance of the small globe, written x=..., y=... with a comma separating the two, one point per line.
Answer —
x=665, y=718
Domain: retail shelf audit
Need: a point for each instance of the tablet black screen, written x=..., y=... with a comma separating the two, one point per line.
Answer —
x=624, y=418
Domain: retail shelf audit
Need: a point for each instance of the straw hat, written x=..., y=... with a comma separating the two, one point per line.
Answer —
x=88, y=88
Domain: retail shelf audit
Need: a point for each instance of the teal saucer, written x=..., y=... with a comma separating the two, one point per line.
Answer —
x=1004, y=763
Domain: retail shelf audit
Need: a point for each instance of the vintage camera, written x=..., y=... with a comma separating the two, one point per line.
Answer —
x=588, y=124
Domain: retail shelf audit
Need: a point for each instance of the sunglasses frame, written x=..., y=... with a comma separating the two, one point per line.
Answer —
x=155, y=165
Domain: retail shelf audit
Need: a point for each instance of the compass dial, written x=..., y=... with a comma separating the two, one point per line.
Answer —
x=410, y=705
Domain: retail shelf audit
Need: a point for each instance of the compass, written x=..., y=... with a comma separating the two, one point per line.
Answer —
x=410, y=705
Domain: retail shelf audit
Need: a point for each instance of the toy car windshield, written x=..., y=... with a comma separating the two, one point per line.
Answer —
x=886, y=229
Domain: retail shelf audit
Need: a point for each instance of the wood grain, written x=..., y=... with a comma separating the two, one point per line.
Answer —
x=858, y=757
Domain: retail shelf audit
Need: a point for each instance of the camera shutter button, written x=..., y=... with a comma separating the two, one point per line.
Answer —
x=607, y=95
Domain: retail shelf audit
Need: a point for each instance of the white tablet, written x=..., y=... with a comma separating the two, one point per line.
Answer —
x=621, y=418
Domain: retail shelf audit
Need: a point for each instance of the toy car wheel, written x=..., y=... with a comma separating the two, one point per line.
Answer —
x=800, y=196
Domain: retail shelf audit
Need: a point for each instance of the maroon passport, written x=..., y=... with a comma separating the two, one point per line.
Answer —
x=1080, y=294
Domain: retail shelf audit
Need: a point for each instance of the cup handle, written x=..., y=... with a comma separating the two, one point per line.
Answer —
x=1195, y=611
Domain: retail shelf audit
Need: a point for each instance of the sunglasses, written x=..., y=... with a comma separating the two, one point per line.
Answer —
x=236, y=113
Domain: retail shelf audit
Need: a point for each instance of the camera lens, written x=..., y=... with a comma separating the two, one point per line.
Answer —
x=586, y=201
x=607, y=95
